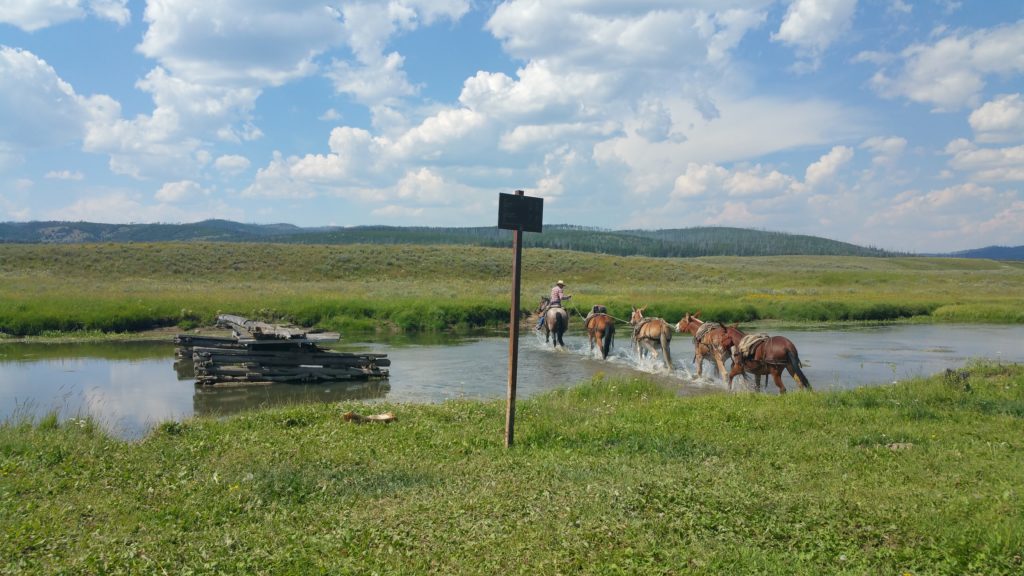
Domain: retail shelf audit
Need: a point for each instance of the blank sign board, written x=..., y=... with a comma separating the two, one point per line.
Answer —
x=517, y=212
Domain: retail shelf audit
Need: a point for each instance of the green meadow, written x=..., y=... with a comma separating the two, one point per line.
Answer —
x=117, y=288
x=606, y=477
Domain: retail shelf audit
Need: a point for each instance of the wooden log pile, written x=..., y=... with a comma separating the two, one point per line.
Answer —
x=260, y=353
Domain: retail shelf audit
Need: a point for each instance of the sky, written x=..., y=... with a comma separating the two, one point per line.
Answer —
x=896, y=124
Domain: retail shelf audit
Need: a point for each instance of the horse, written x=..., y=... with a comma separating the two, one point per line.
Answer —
x=601, y=330
x=707, y=341
x=556, y=322
x=768, y=355
x=651, y=333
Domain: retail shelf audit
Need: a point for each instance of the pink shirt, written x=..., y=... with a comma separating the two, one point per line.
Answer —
x=557, y=295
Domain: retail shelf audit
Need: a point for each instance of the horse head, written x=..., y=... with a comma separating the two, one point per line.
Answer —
x=638, y=315
x=544, y=301
x=689, y=323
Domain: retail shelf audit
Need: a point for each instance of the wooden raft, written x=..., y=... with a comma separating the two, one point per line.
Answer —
x=261, y=353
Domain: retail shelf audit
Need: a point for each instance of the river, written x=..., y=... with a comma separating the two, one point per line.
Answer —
x=129, y=387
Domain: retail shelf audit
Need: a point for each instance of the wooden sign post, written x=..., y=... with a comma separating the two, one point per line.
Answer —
x=518, y=213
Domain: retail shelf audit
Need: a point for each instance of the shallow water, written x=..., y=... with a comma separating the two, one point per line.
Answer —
x=128, y=388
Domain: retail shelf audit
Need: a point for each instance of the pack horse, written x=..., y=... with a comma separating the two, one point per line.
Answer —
x=651, y=335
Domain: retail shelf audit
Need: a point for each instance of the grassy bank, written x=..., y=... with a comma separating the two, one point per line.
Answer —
x=133, y=287
x=610, y=477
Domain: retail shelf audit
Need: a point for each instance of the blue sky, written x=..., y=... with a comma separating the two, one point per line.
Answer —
x=890, y=123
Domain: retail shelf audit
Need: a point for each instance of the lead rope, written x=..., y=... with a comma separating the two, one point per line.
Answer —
x=578, y=313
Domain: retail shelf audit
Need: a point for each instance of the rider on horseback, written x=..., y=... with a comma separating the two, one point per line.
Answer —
x=557, y=295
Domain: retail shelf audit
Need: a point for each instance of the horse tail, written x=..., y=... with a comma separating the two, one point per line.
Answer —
x=794, y=362
x=666, y=337
x=609, y=335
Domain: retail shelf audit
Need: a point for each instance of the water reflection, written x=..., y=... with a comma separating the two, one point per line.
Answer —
x=222, y=400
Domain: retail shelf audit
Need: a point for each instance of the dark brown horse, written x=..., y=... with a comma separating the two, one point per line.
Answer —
x=556, y=322
x=649, y=334
x=768, y=356
x=708, y=338
x=601, y=330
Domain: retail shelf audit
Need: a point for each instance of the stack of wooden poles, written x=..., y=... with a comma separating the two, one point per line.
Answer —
x=261, y=353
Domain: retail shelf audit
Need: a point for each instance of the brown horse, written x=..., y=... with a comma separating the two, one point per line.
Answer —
x=556, y=322
x=601, y=330
x=649, y=334
x=770, y=356
x=708, y=340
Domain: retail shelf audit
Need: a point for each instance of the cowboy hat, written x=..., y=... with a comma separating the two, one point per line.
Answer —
x=560, y=283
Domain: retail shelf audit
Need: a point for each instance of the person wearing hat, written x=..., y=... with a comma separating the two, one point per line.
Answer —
x=557, y=295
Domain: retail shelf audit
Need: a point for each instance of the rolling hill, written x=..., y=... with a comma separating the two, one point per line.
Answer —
x=679, y=242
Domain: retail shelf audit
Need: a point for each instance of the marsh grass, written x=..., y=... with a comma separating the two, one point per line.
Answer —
x=133, y=287
x=608, y=477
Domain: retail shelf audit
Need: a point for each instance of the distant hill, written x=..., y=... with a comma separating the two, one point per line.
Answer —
x=683, y=242
x=993, y=253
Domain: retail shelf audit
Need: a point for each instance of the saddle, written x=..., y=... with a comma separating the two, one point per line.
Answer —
x=704, y=329
x=749, y=343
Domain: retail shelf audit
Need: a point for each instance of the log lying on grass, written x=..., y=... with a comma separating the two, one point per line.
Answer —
x=261, y=353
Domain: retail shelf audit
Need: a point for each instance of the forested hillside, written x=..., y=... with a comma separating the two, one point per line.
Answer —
x=684, y=242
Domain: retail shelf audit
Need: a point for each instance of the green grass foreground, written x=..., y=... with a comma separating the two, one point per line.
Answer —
x=110, y=288
x=608, y=477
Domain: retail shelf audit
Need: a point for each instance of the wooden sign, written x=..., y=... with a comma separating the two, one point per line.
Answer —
x=518, y=212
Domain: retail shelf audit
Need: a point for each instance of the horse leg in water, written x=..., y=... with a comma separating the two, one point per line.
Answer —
x=776, y=373
x=666, y=337
x=698, y=358
x=720, y=363
x=609, y=335
x=560, y=327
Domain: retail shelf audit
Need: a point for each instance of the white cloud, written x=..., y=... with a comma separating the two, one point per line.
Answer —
x=330, y=115
x=951, y=73
x=813, y=25
x=423, y=186
x=827, y=166
x=118, y=206
x=999, y=120
x=1006, y=227
x=376, y=77
x=900, y=7
x=581, y=54
x=173, y=192
x=746, y=129
x=530, y=135
x=988, y=164
x=37, y=107
x=212, y=43
x=10, y=156
x=736, y=214
x=697, y=179
x=397, y=211
x=231, y=164
x=32, y=15
x=886, y=149
x=64, y=175
x=951, y=201
x=113, y=10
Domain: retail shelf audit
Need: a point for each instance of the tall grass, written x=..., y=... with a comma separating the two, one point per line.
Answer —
x=131, y=287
